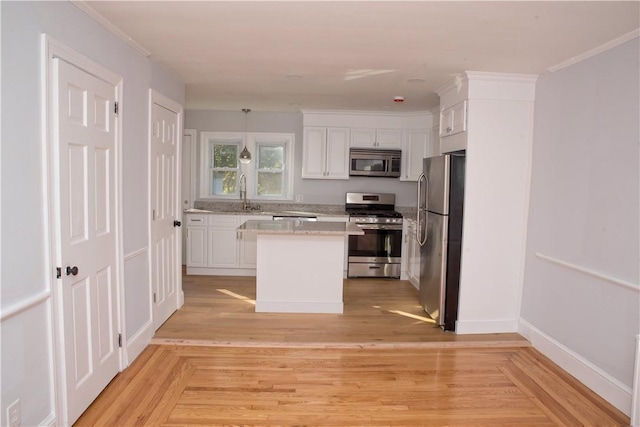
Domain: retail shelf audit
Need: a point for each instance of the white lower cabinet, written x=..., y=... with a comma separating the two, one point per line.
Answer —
x=215, y=247
x=248, y=242
x=411, y=253
x=196, y=240
x=222, y=243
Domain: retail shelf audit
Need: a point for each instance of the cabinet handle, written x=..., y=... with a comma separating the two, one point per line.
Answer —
x=449, y=129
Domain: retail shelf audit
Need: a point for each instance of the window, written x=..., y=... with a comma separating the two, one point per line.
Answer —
x=220, y=168
x=269, y=175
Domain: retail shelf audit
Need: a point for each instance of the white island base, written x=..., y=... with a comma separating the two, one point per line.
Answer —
x=299, y=273
x=299, y=265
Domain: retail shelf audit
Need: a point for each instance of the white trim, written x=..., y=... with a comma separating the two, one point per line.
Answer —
x=83, y=6
x=608, y=387
x=50, y=50
x=635, y=400
x=50, y=421
x=24, y=305
x=135, y=253
x=595, y=51
x=486, y=326
x=193, y=133
x=139, y=341
x=589, y=272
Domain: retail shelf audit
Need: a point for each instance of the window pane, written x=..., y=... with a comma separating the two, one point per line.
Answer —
x=224, y=183
x=270, y=184
x=270, y=157
x=225, y=156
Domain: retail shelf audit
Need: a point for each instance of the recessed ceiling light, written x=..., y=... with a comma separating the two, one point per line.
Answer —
x=293, y=76
x=416, y=80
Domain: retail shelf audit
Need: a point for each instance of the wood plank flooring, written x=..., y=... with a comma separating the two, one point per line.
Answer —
x=383, y=362
x=220, y=309
x=467, y=386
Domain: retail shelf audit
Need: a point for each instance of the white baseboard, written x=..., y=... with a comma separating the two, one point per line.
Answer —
x=139, y=342
x=486, y=326
x=50, y=421
x=603, y=384
x=635, y=402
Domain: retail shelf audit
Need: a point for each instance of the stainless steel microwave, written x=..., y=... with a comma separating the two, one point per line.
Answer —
x=365, y=162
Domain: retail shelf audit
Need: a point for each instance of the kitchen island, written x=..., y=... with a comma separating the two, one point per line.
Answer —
x=299, y=265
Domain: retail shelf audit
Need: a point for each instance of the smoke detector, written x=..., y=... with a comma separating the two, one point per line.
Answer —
x=398, y=99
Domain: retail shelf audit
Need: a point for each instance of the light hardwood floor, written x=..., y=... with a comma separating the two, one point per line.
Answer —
x=383, y=362
x=220, y=309
x=182, y=385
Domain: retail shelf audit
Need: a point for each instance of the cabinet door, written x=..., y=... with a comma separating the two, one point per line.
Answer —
x=453, y=120
x=415, y=148
x=337, y=155
x=389, y=138
x=247, y=244
x=196, y=246
x=363, y=138
x=223, y=243
x=314, y=146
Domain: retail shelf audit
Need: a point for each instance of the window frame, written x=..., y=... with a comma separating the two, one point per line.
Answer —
x=218, y=138
x=273, y=140
x=252, y=141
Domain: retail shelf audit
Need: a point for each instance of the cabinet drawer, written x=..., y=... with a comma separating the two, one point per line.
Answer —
x=223, y=221
x=196, y=220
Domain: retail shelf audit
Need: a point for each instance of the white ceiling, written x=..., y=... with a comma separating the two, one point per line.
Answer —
x=356, y=55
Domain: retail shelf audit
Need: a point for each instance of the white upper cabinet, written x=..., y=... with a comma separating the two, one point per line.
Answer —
x=376, y=138
x=415, y=147
x=325, y=153
x=453, y=120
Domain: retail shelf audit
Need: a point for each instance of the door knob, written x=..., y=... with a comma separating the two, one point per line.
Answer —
x=177, y=223
x=72, y=270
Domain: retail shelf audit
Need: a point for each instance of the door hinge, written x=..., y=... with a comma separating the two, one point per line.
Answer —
x=58, y=272
x=115, y=108
x=154, y=297
x=119, y=340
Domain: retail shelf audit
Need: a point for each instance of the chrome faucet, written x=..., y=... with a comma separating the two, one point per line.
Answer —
x=243, y=192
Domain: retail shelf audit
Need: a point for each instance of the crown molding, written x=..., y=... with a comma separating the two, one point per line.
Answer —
x=84, y=6
x=593, y=52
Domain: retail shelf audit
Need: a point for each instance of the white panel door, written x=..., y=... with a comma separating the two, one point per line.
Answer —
x=165, y=216
x=88, y=244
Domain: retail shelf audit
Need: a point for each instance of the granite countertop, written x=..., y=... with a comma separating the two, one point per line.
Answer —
x=286, y=209
x=300, y=227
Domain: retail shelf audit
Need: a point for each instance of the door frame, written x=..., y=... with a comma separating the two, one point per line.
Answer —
x=175, y=107
x=50, y=49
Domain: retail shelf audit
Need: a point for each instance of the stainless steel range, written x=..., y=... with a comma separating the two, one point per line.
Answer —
x=378, y=252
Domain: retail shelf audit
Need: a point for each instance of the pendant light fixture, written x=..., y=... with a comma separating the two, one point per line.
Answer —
x=245, y=155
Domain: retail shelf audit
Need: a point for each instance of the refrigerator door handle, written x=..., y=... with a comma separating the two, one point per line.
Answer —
x=418, y=236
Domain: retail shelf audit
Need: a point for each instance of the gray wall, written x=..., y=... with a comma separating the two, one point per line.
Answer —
x=27, y=352
x=584, y=210
x=313, y=190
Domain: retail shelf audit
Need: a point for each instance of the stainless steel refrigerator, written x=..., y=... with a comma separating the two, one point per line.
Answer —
x=439, y=233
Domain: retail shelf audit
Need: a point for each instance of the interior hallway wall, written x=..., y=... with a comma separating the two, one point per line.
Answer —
x=27, y=279
x=584, y=211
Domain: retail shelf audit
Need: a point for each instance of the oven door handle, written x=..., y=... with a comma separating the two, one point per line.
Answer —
x=379, y=227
